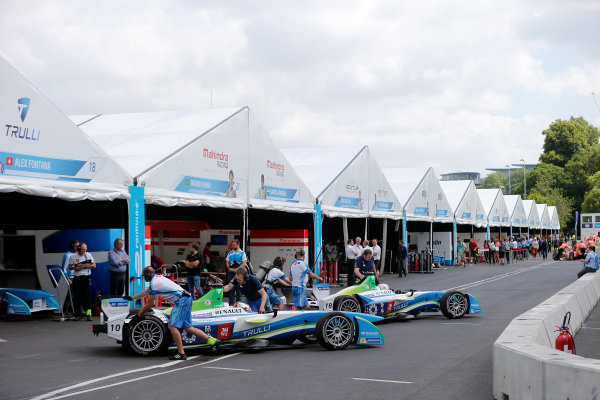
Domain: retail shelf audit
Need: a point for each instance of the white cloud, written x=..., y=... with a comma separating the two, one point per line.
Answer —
x=456, y=85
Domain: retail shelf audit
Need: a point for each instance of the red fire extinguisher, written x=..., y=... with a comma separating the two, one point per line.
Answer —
x=564, y=341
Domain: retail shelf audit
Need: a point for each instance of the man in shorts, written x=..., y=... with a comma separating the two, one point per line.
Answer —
x=181, y=315
x=298, y=272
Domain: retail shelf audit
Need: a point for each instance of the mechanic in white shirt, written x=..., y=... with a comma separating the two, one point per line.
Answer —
x=350, y=258
x=299, y=272
x=376, y=253
x=81, y=264
x=181, y=313
x=276, y=275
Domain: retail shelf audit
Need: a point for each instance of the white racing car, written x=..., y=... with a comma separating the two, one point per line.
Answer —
x=369, y=298
x=236, y=327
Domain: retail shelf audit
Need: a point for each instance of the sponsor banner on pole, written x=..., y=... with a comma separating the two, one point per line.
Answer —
x=137, y=242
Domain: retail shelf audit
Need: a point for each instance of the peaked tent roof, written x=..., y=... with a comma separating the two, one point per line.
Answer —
x=44, y=154
x=203, y=158
x=553, y=214
x=531, y=212
x=337, y=178
x=464, y=201
x=495, y=207
x=542, y=210
x=419, y=190
x=514, y=204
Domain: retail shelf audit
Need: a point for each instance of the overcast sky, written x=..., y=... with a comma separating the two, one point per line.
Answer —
x=457, y=85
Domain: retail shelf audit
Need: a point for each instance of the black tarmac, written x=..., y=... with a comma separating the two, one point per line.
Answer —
x=430, y=357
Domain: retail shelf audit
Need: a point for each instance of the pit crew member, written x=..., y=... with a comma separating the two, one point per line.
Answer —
x=253, y=290
x=181, y=315
x=298, y=272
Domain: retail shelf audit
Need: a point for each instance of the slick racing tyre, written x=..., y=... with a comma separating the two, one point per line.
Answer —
x=347, y=303
x=335, y=331
x=454, y=304
x=148, y=336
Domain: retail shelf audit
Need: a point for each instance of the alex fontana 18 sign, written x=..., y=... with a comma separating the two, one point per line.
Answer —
x=26, y=165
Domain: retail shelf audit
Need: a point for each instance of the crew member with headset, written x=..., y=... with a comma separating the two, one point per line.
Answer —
x=82, y=263
x=236, y=258
x=253, y=290
x=181, y=315
x=364, y=265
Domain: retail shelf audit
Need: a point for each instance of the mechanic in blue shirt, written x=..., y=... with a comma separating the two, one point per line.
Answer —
x=253, y=290
x=364, y=265
x=590, y=262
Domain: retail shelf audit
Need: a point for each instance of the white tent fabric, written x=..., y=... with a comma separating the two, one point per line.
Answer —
x=202, y=158
x=346, y=181
x=553, y=215
x=533, y=218
x=44, y=154
x=514, y=204
x=542, y=210
x=464, y=201
x=495, y=207
x=420, y=192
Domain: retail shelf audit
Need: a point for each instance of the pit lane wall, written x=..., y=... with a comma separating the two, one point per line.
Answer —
x=526, y=365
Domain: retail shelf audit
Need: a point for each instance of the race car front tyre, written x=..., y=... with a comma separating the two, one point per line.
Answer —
x=148, y=336
x=454, y=304
x=347, y=303
x=335, y=331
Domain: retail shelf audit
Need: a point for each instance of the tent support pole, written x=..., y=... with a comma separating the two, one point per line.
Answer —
x=345, y=228
x=383, y=248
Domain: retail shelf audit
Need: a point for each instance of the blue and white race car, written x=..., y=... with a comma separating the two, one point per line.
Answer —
x=236, y=326
x=368, y=298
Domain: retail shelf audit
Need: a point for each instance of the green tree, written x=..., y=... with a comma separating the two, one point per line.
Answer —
x=495, y=180
x=548, y=191
x=564, y=139
x=594, y=180
x=591, y=203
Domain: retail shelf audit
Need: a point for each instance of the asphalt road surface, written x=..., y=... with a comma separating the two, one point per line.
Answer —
x=430, y=357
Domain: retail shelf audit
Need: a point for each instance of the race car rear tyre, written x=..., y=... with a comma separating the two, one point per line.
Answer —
x=347, y=303
x=148, y=336
x=335, y=331
x=454, y=304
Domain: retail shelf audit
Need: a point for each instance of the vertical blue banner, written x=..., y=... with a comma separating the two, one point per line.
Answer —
x=576, y=222
x=488, y=231
x=511, y=235
x=455, y=231
x=137, y=222
x=404, y=234
x=318, y=239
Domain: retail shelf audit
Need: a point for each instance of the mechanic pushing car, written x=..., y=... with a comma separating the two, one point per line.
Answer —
x=181, y=316
x=252, y=289
x=364, y=265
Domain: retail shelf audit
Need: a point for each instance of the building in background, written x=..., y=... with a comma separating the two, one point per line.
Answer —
x=463, y=176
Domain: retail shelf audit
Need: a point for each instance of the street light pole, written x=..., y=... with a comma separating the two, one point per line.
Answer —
x=524, y=180
x=509, y=185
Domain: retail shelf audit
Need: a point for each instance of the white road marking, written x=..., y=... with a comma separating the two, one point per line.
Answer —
x=459, y=323
x=380, y=380
x=29, y=356
x=589, y=327
x=230, y=369
x=3, y=340
x=86, y=383
x=498, y=277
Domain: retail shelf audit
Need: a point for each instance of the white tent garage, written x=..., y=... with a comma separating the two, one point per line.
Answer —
x=347, y=183
x=50, y=172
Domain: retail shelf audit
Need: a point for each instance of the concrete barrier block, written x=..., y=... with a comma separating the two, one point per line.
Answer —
x=593, y=280
x=525, y=331
x=579, y=290
x=518, y=371
x=570, y=303
x=572, y=377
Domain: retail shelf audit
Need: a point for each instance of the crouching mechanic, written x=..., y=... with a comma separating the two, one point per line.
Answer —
x=364, y=265
x=181, y=314
x=276, y=275
x=252, y=289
